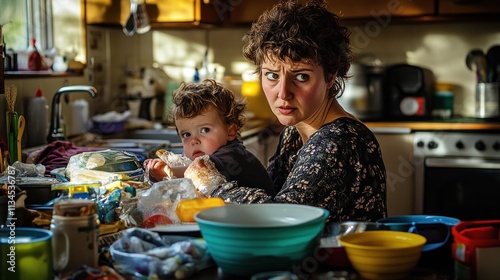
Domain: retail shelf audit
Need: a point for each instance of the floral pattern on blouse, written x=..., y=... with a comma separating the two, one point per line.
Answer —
x=340, y=168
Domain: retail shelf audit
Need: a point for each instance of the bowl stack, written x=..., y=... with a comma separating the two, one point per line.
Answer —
x=383, y=254
x=247, y=239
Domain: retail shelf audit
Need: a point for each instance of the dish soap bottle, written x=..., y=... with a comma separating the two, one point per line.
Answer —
x=37, y=120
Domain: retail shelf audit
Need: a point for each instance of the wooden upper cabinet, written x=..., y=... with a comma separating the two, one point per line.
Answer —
x=246, y=11
x=366, y=9
x=249, y=11
x=106, y=12
x=468, y=7
x=188, y=12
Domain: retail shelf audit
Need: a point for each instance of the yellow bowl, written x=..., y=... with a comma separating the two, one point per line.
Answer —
x=382, y=254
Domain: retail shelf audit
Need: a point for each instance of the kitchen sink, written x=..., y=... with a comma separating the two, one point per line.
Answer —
x=165, y=134
x=144, y=141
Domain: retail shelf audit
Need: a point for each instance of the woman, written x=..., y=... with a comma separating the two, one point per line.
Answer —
x=325, y=156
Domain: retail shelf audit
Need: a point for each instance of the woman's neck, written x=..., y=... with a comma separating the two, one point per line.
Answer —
x=330, y=111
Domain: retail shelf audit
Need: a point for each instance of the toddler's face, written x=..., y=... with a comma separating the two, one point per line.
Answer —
x=204, y=134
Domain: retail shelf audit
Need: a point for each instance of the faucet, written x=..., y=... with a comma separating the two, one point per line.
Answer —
x=55, y=130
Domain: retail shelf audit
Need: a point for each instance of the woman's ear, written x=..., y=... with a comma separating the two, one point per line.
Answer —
x=232, y=132
x=332, y=80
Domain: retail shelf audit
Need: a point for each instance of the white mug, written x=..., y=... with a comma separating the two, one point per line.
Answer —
x=74, y=242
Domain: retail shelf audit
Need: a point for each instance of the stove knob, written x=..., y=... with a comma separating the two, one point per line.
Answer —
x=460, y=145
x=432, y=145
x=496, y=146
x=420, y=144
x=480, y=146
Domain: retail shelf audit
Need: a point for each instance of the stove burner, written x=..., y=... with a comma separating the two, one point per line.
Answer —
x=485, y=145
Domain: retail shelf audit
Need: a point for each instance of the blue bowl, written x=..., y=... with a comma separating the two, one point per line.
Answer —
x=436, y=229
x=247, y=239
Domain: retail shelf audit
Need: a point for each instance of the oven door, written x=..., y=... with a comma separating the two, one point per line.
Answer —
x=464, y=188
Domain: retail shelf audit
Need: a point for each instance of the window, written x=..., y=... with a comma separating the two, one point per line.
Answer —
x=57, y=26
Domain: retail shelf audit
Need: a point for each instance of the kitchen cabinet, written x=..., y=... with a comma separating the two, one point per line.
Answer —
x=161, y=13
x=468, y=7
x=249, y=11
x=397, y=153
x=374, y=9
x=262, y=145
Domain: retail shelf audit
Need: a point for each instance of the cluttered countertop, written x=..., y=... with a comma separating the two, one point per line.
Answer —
x=118, y=188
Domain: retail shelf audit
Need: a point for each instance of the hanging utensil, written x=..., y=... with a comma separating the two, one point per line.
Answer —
x=131, y=24
x=493, y=58
x=138, y=20
x=476, y=61
x=142, y=19
x=21, y=123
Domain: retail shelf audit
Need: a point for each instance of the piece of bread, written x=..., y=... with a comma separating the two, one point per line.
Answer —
x=173, y=159
x=204, y=175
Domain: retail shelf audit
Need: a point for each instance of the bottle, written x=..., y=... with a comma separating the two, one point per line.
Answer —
x=78, y=122
x=37, y=120
x=35, y=60
x=196, y=77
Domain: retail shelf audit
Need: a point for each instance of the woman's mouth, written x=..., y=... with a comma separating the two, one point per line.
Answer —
x=286, y=110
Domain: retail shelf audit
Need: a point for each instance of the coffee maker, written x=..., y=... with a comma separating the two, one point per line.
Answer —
x=408, y=91
x=145, y=95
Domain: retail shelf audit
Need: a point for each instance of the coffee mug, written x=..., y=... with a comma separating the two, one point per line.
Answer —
x=75, y=242
x=27, y=253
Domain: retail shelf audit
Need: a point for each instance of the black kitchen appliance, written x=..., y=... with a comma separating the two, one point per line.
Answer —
x=408, y=91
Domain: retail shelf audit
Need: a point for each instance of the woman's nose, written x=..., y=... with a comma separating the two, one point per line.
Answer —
x=284, y=90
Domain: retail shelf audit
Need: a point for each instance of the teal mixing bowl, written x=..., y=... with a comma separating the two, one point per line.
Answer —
x=247, y=239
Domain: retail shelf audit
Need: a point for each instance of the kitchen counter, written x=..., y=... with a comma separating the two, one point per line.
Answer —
x=323, y=272
x=462, y=124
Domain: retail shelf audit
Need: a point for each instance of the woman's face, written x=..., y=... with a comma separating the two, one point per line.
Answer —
x=294, y=91
x=204, y=134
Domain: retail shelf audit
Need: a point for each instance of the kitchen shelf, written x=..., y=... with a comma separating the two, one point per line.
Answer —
x=40, y=74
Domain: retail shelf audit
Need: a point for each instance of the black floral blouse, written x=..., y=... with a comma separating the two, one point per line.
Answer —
x=339, y=168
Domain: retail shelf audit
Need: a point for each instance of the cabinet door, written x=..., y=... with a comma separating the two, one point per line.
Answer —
x=106, y=12
x=112, y=12
x=397, y=153
x=468, y=7
x=249, y=11
x=365, y=9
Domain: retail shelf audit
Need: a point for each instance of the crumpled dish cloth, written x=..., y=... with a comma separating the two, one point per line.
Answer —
x=57, y=154
x=145, y=252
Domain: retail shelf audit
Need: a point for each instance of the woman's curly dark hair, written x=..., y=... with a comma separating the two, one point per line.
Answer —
x=192, y=99
x=292, y=31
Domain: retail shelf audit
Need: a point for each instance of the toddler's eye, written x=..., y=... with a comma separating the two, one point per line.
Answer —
x=185, y=135
x=205, y=130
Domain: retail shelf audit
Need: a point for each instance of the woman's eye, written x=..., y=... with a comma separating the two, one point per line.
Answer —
x=302, y=77
x=271, y=76
x=205, y=130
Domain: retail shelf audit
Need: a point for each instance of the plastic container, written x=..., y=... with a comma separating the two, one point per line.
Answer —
x=37, y=120
x=476, y=250
x=186, y=209
x=79, y=118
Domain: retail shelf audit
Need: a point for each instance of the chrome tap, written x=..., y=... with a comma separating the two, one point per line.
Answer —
x=55, y=130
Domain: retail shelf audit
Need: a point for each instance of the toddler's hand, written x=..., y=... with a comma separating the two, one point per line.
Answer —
x=157, y=169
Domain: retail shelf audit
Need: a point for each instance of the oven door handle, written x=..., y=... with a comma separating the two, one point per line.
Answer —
x=480, y=163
